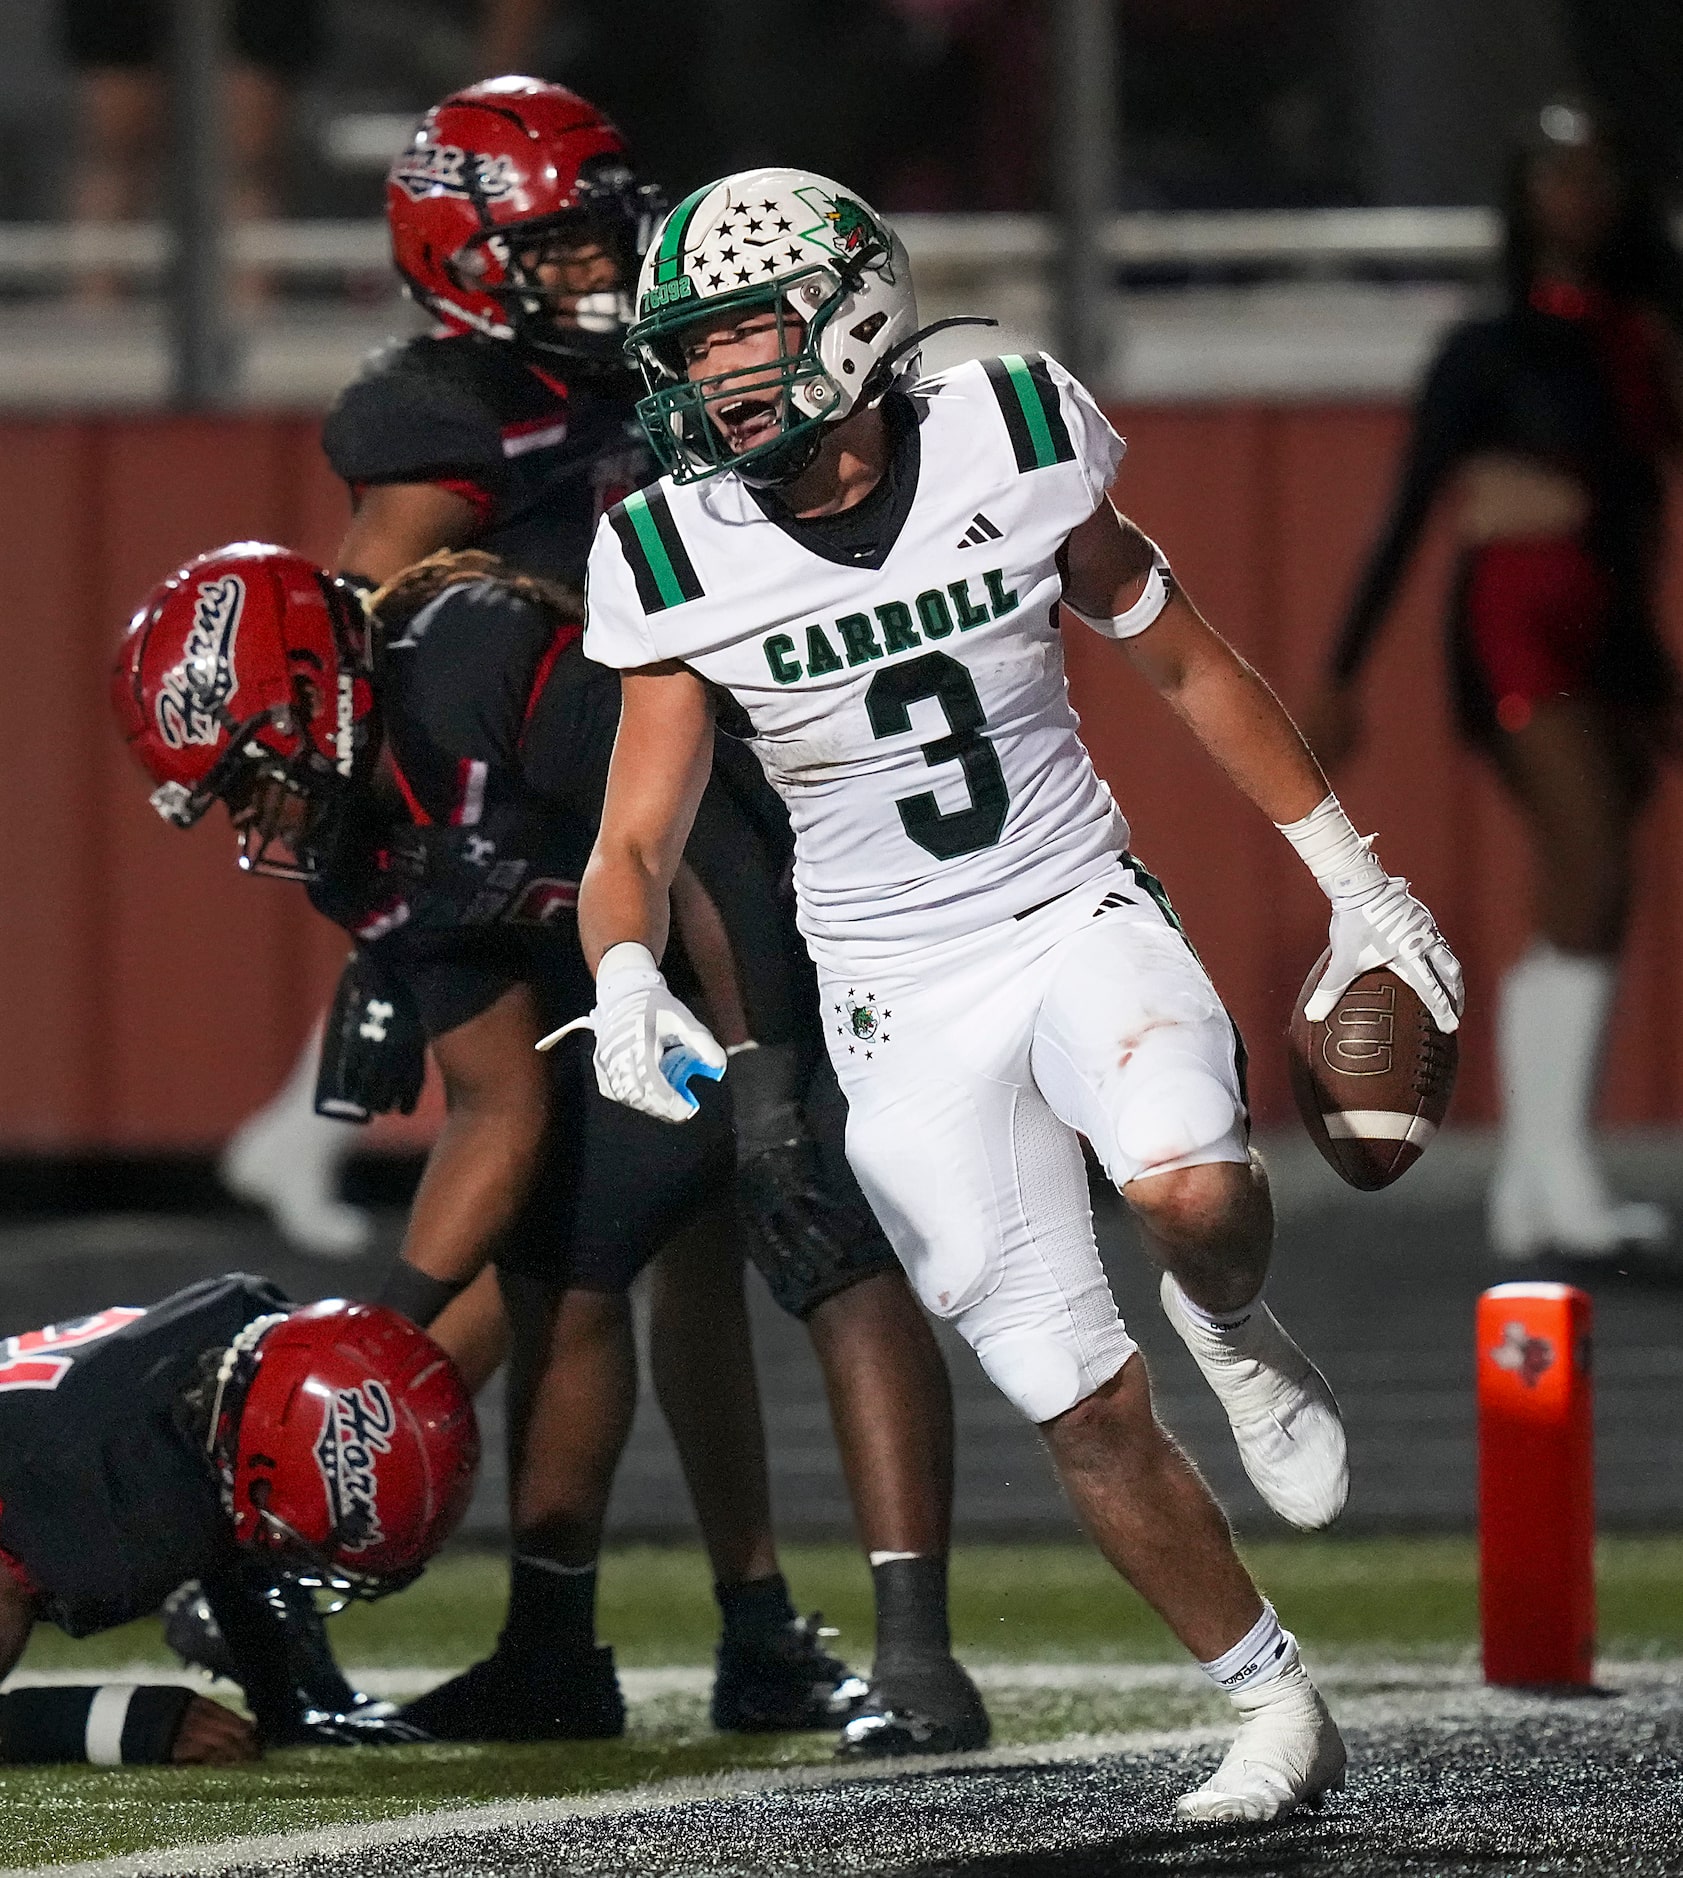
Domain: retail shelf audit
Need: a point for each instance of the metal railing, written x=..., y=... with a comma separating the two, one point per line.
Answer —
x=1322, y=242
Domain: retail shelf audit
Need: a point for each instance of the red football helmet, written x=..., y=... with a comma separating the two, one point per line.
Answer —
x=248, y=666
x=346, y=1442
x=495, y=176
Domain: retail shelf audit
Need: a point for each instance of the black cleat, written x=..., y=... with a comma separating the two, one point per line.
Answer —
x=919, y=1705
x=194, y=1634
x=787, y=1680
x=571, y=1698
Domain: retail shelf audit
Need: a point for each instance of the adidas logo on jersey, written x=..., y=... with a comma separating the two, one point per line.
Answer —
x=980, y=530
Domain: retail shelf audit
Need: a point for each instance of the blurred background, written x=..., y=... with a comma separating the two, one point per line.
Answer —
x=1247, y=223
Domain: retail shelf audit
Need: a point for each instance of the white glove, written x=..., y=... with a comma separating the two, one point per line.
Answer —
x=648, y=1045
x=1375, y=920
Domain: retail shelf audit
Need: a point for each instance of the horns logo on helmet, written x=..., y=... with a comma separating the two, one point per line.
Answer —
x=441, y=169
x=191, y=694
x=355, y=1431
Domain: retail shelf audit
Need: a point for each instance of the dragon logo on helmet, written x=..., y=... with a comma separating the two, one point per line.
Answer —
x=355, y=1431
x=847, y=228
x=441, y=169
x=192, y=694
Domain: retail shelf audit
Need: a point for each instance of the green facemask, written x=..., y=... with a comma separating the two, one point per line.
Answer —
x=674, y=416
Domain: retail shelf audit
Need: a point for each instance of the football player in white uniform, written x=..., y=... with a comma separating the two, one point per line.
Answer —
x=862, y=574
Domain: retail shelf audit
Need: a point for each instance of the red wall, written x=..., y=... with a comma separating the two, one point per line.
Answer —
x=154, y=995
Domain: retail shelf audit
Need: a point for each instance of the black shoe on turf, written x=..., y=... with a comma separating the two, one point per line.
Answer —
x=570, y=1698
x=787, y=1680
x=918, y=1705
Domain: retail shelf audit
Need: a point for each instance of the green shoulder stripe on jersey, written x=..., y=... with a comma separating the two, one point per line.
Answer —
x=1029, y=402
x=651, y=543
x=671, y=255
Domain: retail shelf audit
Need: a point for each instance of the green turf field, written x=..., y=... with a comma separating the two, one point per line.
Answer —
x=1384, y=1599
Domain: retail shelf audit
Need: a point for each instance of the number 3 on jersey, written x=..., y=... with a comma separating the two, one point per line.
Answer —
x=888, y=703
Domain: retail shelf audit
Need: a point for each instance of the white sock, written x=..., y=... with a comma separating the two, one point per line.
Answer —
x=311, y=1146
x=1550, y=1027
x=1216, y=1322
x=1260, y=1656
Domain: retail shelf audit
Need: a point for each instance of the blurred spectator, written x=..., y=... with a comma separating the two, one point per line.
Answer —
x=119, y=50
x=1551, y=423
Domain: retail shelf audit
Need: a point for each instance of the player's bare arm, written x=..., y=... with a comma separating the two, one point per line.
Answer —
x=648, y=1044
x=1221, y=699
x=1111, y=571
x=663, y=756
x=397, y=524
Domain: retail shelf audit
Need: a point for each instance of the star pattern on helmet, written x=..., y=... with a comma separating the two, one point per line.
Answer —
x=756, y=236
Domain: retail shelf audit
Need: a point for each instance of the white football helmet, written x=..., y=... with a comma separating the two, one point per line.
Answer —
x=834, y=273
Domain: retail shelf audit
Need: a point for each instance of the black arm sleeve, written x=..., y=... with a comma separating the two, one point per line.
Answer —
x=1447, y=420
x=42, y=1726
x=399, y=426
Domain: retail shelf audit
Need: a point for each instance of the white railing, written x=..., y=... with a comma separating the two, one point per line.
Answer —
x=1317, y=241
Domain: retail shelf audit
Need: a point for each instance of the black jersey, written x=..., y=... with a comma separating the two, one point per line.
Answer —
x=540, y=458
x=499, y=728
x=499, y=733
x=107, y=1500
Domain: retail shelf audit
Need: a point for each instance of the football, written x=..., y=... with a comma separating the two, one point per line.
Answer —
x=1373, y=1079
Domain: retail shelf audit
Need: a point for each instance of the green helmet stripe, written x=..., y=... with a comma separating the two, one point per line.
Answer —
x=670, y=257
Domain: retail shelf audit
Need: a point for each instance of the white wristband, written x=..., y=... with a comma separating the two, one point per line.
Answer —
x=1159, y=588
x=627, y=960
x=1341, y=860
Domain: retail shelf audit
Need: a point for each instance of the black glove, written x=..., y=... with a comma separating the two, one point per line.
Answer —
x=809, y=1235
x=373, y=1049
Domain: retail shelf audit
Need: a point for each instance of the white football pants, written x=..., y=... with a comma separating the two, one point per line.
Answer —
x=970, y=1070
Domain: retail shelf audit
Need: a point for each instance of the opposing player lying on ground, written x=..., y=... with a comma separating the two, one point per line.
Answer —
x=862, y=574
x=477, y=740
x=225, y=1436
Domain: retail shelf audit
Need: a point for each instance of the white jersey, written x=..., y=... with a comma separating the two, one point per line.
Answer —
x=913, y=715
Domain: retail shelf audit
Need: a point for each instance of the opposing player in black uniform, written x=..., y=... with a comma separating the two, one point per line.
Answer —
x=516, y=220
x=442, y=807
x=221, y=1435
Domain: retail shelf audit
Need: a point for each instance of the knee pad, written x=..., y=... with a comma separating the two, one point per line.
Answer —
x=1044, y=1373
x=1181, y=1110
